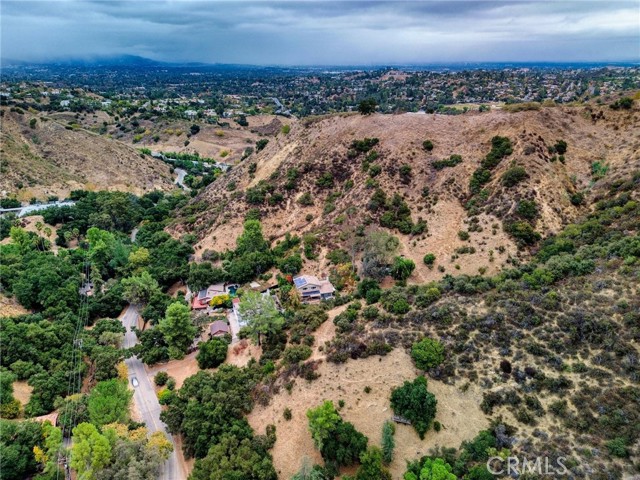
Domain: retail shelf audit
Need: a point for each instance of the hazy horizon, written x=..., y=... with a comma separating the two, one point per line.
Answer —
x=332, y=33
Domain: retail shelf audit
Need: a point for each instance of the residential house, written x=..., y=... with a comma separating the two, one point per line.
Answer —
x=311, y=288
x=204, y=296
x=219, y=329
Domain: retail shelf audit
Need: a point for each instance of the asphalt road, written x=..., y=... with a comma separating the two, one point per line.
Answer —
x=180, y=178
x=26, y=210
x=145, y=397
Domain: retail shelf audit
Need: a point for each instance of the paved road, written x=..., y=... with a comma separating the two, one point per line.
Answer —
x=180, y=179
x=23, y=211
x=145, y=397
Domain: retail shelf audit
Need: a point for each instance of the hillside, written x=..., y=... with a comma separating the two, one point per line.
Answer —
x=53, y=159
x=318, y=157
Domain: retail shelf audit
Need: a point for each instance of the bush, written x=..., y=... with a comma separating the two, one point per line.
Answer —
x=402, y=268
x=427, y=353
x=287, y=414
x=463, y=235
x=618, y=447
x=523, y=232
x=212, y=353
x=415, y=403
x=429, y=259
x=291, y=264
x=576, y=198
x=160, y=379
x=427, y=145
x=527, y=209
x=514, y=176
x=560, y=147
x=388, y=442
x=625, y=103
x=452, y=161
x=260, y=144
x=325, y=180
x=296, y=354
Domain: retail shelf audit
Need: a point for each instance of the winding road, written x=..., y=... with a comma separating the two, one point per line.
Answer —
x=28, y=209
x=180, y=179
x=145, y=397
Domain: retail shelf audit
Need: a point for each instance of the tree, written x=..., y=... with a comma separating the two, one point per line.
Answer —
x=201, y=275
x=177, y=329
x=433, y=469
x=402, y=268
x=139, y=289
x=234, y=458
x=371, y=466
x=9, y=406
x=309, y=472
x=251, y=239
x=388, y=442
x=367, y=107
x=212, y=353
x=323, y=421
x=156, y=307
x=210, y=404
x=17, y=440
x=91, y=451
x=109, y=402
x=338, y=441
x=427, y=353
x=429, y=259
x=414, y=402
x=261, y=315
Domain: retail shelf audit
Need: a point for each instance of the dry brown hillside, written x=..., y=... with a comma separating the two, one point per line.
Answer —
x=51, y=159
x=316, y=147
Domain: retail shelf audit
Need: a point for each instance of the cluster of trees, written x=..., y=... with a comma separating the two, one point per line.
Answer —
x=500, y=148
x=338, y=441
x=469, y=461
x=395, y=213
x=117, y=450
x=209, y=412
x=251, y=258
x=29, y=448
x=415, y=403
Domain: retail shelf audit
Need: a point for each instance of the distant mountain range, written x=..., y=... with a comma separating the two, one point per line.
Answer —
x=138, y=61
x=100, y=61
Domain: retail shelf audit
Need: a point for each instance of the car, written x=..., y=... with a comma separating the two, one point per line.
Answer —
x=134, y=382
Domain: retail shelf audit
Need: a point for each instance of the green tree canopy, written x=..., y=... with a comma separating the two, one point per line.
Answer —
x=414, y=402
x=212, y=353
x=427, y=353
x=177, y=329
x=251, y=239
x=91, y=451
x=261, y=314
x=109, y=402
x=138, y=289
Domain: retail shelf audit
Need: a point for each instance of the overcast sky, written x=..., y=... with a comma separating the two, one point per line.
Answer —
x=329, y=32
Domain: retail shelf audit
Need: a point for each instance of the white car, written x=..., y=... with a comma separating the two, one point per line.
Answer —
x=134, y=382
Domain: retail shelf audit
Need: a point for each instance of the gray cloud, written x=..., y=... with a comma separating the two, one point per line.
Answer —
x=329, y=32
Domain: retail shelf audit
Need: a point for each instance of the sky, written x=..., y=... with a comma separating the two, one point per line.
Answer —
x=311, y=32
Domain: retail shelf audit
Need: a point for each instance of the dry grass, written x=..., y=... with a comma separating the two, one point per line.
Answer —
x=53, y=160
x=458, y=412
x=322, y=144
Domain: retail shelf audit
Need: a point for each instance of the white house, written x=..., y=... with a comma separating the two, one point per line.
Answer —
x=311, y=288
